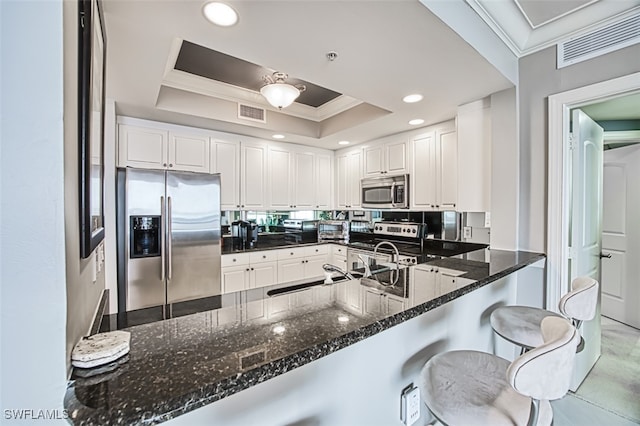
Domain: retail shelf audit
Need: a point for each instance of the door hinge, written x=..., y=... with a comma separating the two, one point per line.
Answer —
x=572, y=142
x=571, y=253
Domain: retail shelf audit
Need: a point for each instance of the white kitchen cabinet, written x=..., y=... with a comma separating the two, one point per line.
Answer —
x=300, y=263
x=474, y=156
x=243, y=271
x=280, y=181
x=386, y=158
x=155, y=148
x=430, y=282
x=323, y=182
x=350, y=297
x=253, y=181
x=434, y=171
x=225, y=159
x=349, y=168
x=304, y=178
x=377, y=302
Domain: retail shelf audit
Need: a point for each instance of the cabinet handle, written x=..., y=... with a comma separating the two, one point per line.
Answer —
x=264, y=257
x=252, y=269
x=170, y=165
x=234, y=260
x=237, y=205
x=247, y=269
x=164, y=164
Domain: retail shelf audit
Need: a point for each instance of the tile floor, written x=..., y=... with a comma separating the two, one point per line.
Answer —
x=586, y=408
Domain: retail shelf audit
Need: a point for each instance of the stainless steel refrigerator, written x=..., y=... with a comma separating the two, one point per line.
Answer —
x=168, y=237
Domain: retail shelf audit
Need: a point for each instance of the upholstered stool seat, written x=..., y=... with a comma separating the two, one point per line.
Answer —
x=521, y=324
x=476, y=388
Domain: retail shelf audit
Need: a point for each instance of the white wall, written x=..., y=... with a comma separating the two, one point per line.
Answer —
x=32, y=233
x=539, y=78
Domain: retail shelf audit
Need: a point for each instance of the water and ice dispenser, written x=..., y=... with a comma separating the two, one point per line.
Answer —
x=145, y=235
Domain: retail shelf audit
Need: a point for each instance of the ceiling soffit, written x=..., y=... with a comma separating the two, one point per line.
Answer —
x=527, y=26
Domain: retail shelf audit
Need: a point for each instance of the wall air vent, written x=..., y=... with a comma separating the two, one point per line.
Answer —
x=247, y=112
x=612, y=37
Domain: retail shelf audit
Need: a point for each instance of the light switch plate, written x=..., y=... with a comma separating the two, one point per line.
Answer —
x=466, y=232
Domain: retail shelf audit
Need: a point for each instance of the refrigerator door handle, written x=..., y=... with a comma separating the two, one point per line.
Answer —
x=162, y=248
x=169, y=239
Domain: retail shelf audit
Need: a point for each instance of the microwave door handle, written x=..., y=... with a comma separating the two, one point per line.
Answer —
x=393, y=194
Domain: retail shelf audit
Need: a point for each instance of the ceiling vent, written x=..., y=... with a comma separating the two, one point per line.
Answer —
x=248, y=112
x=607, y=39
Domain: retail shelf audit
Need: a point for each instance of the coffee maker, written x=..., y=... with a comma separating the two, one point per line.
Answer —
x=244, y=233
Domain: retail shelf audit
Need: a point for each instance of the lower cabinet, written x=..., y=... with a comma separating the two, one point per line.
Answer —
x=377, y=302
x=244, y=271
x=430, y=282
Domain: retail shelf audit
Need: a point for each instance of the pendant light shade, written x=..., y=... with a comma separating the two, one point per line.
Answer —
x=278, y=93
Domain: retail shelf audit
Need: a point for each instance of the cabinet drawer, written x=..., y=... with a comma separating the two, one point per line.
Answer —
x=291, y=253
x=235, y=259
x=317, y=250
x=339, y=250
x=263, y=256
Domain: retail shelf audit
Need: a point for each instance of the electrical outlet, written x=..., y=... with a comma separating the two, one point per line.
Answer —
x=410, y=407
x=466, y=232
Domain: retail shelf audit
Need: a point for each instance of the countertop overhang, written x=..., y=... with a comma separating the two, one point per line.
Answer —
x=181, y=364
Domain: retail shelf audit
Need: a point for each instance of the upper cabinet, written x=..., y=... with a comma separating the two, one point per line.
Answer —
x=434, y=176
x=385, y=158
x=474, y=156
x=153, y=148
x=225, y=159
x=349, y=173
x=253, y=178
x=324, y=181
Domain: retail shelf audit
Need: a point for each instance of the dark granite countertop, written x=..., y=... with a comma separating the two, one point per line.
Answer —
x=184, y=363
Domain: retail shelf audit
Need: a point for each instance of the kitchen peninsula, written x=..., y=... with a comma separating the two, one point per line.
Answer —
x=284, y=359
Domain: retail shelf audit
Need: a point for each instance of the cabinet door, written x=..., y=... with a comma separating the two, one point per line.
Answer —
x=396, y=157
x=373, y=302
x=355, y=174
x=393, y=305
x=142, y=147
x=225, y=159
x=280, y=179
x=188, y=153
x=424, y=285
x=304, y=181
x=254, y=177
x=263, y=274
x=313, y=266
x=235, y=279
x=448, y=170
x=374, y=160
x=423, y=175
x=323, y=182
x=342, y=193
x=302, y=298
x=290, y=270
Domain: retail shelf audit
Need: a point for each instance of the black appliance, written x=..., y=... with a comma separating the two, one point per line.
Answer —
x=145, y=236
x=244, y=234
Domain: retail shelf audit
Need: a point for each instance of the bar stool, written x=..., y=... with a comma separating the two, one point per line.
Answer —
x=477, y=388
x=521, y=324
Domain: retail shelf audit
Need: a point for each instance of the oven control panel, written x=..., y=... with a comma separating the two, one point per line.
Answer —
x=398, y=229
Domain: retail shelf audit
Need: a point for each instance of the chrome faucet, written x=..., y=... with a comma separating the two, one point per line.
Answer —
x=397, y=259
x=333, y=268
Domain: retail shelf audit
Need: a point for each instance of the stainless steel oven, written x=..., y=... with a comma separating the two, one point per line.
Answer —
x=385, y=192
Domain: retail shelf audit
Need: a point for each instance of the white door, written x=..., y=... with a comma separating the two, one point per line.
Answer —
x=586, y=226
x=254, y=167
x=323, y=182
x=225, y=159
x=304, y=181
x=621, y=234
x=396, y=157
x=280, y=179
x=188, y=152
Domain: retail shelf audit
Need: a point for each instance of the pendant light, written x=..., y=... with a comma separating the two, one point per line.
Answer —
x=277, y=92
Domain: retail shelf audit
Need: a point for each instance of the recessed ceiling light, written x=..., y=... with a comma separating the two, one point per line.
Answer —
x=278, y=136
x=220, y=14
x=343, y=143
x=412, y=98
x=416, y=121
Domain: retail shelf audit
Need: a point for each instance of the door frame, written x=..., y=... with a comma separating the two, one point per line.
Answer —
x=559, y=175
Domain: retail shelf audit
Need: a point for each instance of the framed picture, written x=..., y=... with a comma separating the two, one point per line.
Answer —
x=91, y=101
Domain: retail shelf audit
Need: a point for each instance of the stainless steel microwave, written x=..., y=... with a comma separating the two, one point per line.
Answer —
x=385, y=192
x=333, y=230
